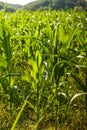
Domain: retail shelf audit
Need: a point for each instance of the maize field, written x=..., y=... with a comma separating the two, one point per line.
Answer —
x=43, y=70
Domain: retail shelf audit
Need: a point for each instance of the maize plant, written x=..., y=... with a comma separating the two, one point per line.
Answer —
x=43, y=70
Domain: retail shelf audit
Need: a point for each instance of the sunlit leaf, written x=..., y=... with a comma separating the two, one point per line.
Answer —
x=76, y=96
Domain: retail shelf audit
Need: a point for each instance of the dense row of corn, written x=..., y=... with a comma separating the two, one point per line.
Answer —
x=43, y=67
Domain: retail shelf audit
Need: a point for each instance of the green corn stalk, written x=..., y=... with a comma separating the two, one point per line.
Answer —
x=55, y=45
x=86, y=86
x=6, y=45
x=35, y=74
x=56, y=83
x=38, y=59
x=83, y=49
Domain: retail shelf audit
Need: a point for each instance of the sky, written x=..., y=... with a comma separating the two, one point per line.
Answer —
x=22, y=2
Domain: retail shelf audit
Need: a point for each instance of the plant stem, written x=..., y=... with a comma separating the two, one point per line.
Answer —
x=37, y=104
x=56, y=118
x=86, y=86
x=11, y=97
x=56, y=82
x=38, y=115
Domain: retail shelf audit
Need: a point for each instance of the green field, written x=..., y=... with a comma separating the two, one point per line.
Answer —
x=43, y=70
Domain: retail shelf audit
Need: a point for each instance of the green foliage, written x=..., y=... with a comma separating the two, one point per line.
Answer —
x=43, y=63
x=4, y=117
x=56, y=4
x=78, y=5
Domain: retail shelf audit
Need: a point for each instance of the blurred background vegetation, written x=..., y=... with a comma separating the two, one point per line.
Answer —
x=47, y=4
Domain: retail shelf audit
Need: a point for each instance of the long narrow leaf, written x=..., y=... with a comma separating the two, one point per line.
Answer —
x=79, y=83
x=76, y=96
x=18, y=116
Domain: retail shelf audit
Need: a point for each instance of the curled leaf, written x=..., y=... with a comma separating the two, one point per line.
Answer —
x=76, y=96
